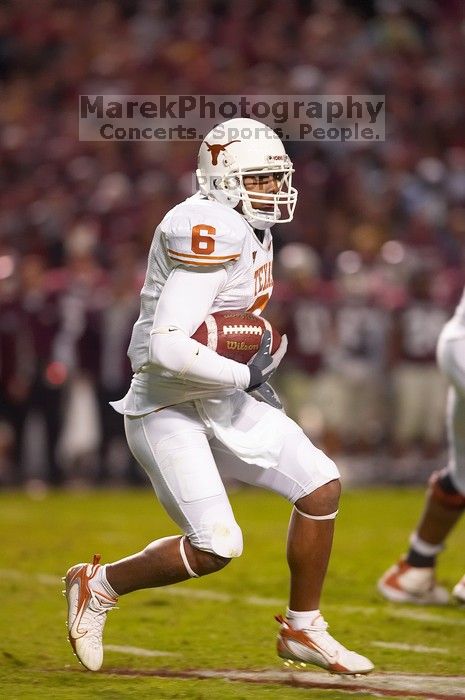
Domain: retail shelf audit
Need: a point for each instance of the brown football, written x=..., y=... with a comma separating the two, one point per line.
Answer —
x=235, y=334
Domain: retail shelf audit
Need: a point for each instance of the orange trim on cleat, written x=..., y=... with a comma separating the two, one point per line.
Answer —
x=87, y=608
x=316, y=646
x=403, y=583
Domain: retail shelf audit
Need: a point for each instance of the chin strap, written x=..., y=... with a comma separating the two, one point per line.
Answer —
x=330, y=516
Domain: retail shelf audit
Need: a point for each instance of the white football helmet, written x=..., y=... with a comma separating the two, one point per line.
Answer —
x=242, y=147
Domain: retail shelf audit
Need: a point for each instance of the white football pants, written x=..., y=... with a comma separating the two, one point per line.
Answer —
x=188, y=448
x=451, y=360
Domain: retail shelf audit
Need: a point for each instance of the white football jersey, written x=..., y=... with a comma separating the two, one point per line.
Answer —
x=198, y=233
x=459, y=314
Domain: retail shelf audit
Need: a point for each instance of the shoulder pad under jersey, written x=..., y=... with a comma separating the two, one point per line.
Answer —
x=203, y=232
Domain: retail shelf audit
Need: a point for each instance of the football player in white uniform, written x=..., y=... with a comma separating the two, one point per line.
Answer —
x=190, y=418
x=412, y=579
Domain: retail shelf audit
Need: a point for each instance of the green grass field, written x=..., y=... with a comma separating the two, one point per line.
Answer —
x=42, y=538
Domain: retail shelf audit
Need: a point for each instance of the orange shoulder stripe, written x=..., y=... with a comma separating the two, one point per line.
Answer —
x=203, y=257
x=197, y=263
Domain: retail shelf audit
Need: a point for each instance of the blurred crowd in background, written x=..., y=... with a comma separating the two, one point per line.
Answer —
x=366, y=274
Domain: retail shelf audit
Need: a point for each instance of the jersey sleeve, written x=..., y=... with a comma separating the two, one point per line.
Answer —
x=200, y=238
x=171, y=346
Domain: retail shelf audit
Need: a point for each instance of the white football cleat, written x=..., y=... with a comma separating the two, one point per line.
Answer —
x=403, y=583
x=87, y=611
x=315, y=645
x=459, y=591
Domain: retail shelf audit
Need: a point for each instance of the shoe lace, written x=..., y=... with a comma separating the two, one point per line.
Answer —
x=95, y=614
x=319, y=633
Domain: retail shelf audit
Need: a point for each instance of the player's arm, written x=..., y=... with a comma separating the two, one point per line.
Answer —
x=203, y=251
x=185, y=302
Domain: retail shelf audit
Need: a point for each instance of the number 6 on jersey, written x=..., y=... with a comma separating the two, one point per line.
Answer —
x=202, y=239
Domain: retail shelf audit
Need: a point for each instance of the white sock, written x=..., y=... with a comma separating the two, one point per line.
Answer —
x=302, y=619
x=425, y=548
x=101, y=578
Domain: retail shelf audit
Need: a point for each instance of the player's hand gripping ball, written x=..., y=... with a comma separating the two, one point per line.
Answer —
x=235, y=334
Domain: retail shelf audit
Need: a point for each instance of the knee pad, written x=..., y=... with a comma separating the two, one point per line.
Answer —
x=443, y=491
x=219, y=534
x=226, y=539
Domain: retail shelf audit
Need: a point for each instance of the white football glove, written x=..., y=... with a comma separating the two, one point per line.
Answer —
x=263, y=363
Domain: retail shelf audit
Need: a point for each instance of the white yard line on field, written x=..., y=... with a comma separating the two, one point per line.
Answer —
x=199, y=594
x=418, y=648
x=427, y=617
x=47, y=580
x=380, y=684
x=202, y=594
x=176, y=592
x=137, y=651
x=262, y=602
x=181, y=591
x=403, y=613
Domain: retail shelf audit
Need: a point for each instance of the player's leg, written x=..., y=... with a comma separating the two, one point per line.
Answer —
x=311, y=525
x=309, y=543
x=300, y=472
x=310, y=480
x=445, y=500
x=412, y=580
x=446, y=495
x=173, y=449
x=187, y=483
